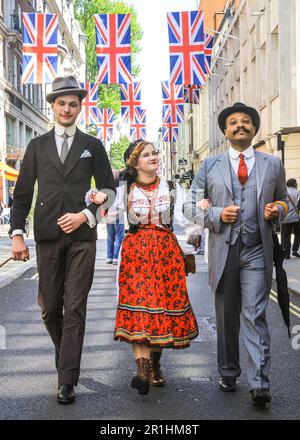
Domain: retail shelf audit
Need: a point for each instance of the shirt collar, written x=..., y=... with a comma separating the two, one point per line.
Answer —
x=234, y=154
x=60, y=130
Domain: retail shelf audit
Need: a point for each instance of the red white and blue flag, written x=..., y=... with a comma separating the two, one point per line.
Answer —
x=191, y=94
x=103, y=118
x=138, y=127
x=89, y=103
x=173, y=103
x=113, y=48
x=170, y=133
x=130, y=100
x=39, y=49
x=209, y=42
x=186, y=47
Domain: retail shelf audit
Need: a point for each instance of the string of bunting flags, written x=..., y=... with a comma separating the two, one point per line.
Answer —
x=190, y=51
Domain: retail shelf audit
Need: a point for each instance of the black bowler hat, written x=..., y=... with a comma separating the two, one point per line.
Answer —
x=241, y=108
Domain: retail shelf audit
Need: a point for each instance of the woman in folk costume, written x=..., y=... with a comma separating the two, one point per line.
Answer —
x=154, y=310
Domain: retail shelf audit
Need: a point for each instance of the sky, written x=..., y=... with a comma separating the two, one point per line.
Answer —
x=154, y=57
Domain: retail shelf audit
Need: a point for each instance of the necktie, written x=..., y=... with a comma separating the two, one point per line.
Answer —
x=64, y=148
x=242, y=171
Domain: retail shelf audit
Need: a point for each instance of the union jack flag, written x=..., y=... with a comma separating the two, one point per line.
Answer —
x=130, y=99
x=90, y=102
x=172, y=97
x=169, y=133
x=103, y=118
x=39, y=48
x=113, y=48
x=186, y=46
x=191, y=94
x=209, y=42
x=138, y=128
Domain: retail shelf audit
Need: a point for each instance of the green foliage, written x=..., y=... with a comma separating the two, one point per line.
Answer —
x=117, y=151
x=109, y=96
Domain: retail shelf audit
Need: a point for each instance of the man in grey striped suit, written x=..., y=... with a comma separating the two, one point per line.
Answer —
x=242, y=186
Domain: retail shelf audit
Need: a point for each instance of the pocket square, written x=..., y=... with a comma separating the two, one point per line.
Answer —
x=85, y=154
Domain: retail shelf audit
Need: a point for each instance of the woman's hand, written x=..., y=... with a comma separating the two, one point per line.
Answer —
x=99, y=198
x=203, y=204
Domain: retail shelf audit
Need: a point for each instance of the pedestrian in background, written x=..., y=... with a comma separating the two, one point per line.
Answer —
x=291, y=223
x=115, y=231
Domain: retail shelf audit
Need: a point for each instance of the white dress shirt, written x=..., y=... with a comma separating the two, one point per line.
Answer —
x=249, y=157
x=59, y=130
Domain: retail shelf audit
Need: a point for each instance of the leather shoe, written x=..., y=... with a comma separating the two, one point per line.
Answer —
x=66, y=394
x=260, y=396
x=227, y=383
x=295, y=254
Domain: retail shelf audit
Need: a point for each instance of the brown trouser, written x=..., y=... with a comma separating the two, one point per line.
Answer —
x=66, y=271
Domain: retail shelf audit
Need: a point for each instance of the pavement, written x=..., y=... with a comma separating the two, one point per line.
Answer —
x=28, y=380
x=14, y=269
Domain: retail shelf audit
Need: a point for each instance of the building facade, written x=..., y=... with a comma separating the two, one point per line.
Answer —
x=24, y=112
x=257, y=62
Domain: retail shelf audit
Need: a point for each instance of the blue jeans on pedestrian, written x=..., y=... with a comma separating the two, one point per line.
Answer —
x=115, y=235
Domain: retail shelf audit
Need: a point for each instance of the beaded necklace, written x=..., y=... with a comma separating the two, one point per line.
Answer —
x=150, y=191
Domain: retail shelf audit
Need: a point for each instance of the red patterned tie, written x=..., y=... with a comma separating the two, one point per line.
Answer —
x=242, y=171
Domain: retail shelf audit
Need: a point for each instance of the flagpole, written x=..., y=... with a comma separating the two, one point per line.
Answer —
x=171, y=159
x=192, y=137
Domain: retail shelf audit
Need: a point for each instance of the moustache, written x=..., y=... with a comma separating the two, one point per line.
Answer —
x=240, y=129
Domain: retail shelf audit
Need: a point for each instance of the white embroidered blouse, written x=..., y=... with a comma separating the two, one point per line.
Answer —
x=158, y=202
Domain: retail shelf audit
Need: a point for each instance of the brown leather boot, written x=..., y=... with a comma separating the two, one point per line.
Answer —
x=156, y=378
x=141, y=380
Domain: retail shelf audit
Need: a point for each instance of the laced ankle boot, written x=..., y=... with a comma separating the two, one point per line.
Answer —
x=156, y=377
x=141, y=380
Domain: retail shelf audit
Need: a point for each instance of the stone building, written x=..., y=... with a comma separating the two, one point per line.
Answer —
x=24, y=112
x=257, y=62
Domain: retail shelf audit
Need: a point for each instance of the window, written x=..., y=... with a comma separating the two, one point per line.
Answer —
x=263, y=75
x=21, y=129
x=15, y=71
x=274, y=78
x=245, y=84
x=10, y=130
x=28, y=135
x=253, y=82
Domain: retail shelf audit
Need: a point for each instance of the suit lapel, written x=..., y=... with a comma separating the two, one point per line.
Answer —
x=78, y=146
x=51, y=150
x=261, y=164
x=224, y=169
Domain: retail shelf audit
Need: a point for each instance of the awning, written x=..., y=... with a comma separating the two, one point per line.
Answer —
x=9, y=172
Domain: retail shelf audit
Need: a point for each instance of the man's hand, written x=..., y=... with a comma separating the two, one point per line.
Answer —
x=19, y=250
x=71, y=222
x=203, y=204
x=99, y=198
x=229, y=214
x=271, y=211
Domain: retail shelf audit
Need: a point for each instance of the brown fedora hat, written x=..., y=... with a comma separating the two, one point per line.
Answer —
x=65, y=85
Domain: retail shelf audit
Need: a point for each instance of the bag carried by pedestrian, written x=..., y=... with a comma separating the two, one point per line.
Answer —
x=296, y=207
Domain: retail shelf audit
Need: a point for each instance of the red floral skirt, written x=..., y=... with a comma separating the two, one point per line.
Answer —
x=154, y=306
